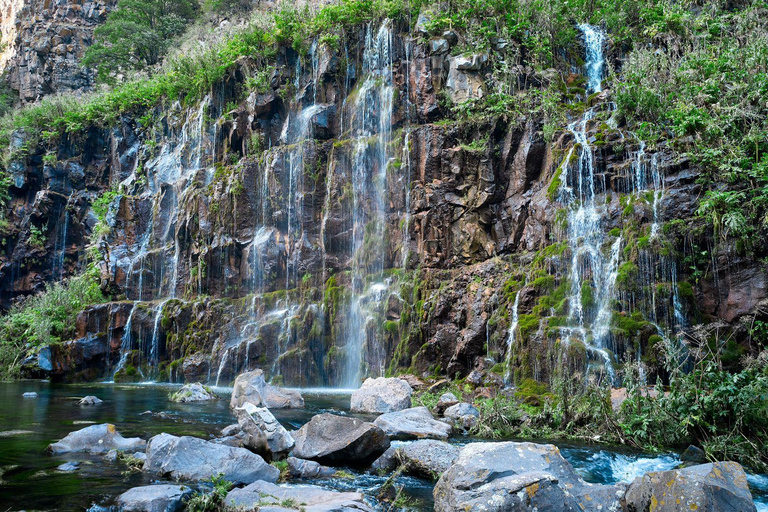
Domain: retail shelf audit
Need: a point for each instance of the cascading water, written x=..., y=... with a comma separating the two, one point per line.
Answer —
x=511, y=337
x=592, y=272
x=371, y=127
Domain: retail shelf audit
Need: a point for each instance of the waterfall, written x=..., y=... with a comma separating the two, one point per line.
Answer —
x=511, y=337
x=371, y=126
x=592, y=273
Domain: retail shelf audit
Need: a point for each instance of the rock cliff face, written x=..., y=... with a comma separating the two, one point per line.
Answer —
x=43, y=41
x=339, y=224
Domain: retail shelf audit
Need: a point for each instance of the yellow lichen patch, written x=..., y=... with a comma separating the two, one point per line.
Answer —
x=111, y=428
x=694, y=506
x=532, y=489
x=654, y=504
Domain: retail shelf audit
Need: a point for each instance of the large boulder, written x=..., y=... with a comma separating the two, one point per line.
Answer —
x=710, y=487
x=428, y=457
x=97, y=439
x=463, y=415
x=330, y=438
x=254, y=420
x=153, y=498
x=193, y=393
x=518, y=476
x=250, y=387
x=260, y=495
x=193, y=459
x=381, y=395
x=413, y=423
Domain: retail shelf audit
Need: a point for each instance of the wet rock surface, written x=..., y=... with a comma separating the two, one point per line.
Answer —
x=193, y=459
x=329, y=438
x=97, y=439
x=428, y=458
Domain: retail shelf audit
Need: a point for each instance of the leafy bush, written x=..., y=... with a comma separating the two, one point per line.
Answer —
x=45, y=319
x=213, y=501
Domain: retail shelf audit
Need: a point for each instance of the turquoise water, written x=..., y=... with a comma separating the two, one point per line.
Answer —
x=29, y=479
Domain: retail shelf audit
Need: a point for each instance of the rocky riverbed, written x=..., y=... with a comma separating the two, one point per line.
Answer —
x=184, y=445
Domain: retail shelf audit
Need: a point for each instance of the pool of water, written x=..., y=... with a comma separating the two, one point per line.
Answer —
x=29, y=479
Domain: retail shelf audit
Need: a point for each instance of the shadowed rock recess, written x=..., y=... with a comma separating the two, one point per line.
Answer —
x=334, y=210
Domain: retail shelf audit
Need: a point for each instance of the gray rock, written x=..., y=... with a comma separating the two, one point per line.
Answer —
x=471, y=63
x=330, y=438
x=694, y=454
x=231, y=430
x=710, y=487
x=111, y=456
x=251, y=387
x=381, y=395
x=154, y=498
x=140, y=456
x=193, y=393
x=445, y=401
x=259, y=495
x=90, y=400
x=463, y=415
x=68, y=467
x=30, y=394
x=518, y=476
x=413, y=423
x=386, y=463
x=193, y=459
x=259, y=419
x=463, y=85
x=300, y=468
x=439, y=46
x=427, y=457
x=97, y=439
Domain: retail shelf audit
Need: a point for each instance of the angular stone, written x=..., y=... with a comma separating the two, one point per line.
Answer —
x=330, y=438
x=193, y=459
x=154, y=498
x=413, y=423
x=97, y=439
x=260, y=495
x=252, y=388
x=254, y=420
x=710, y=487
x=381, y=395
x=445, y=401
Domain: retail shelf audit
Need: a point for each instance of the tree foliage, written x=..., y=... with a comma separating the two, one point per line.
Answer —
x=138, y=33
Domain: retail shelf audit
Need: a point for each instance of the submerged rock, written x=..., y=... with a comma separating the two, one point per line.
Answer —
x=300, y=468
x=416, y=422
x=68, y=467
x=332, y=439
x=154, y=498
x=263, y=429
x=382, y=395
x=250, y=387
x=309, y=497
x=90, y=400
x=193, y=459
x=193, y=393
x=706, y=488
x=427, y=457
x=97, y=439
x=30, y=394
x=518, y=476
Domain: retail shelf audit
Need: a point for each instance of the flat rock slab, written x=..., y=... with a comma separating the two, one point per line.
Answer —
x=329, y=438
x=193, y=459
x=381, y=395
x=300, y=468
x=154, y=498
x=310, y=498
x=413, y=423
x=718, y=486
x=97, y=439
